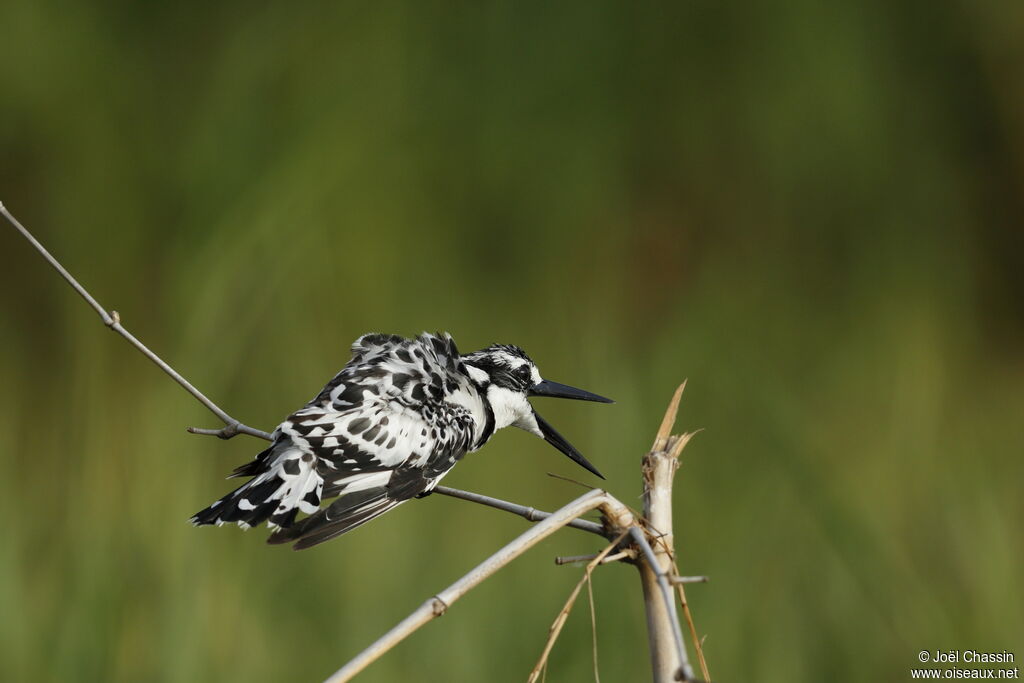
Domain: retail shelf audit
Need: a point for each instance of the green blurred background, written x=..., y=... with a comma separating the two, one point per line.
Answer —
x=811, y=211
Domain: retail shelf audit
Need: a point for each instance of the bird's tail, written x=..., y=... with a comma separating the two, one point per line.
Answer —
x=282, y=485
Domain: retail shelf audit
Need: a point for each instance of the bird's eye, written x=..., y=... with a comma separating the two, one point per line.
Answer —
x=523, y=372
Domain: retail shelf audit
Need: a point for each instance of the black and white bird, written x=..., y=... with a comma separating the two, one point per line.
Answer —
x=386, y=429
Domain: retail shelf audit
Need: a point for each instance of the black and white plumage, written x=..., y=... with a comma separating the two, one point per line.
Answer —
x=385, y=430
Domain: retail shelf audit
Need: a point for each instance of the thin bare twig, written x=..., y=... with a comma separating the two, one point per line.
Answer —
x=439, y=604
x=532, y=514
x=569, y=480
x=593, y=624
x=698, y=643
x=689, y=579
x=113, y=321
x=627, y=554
x=563, y=614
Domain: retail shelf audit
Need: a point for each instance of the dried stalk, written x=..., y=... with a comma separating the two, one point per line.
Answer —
x=593, y=626
x=668, y=659
x=563, y=614
x=698, y=643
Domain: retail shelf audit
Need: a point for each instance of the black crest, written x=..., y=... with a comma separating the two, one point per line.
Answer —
x=505, y=364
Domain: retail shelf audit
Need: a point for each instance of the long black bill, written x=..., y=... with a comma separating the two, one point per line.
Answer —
x=559, y=442
x=556, y=390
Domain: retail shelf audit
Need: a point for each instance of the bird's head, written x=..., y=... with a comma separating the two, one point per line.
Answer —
x=507, y=377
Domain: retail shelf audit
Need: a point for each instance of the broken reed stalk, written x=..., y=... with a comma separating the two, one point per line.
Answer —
x=668, y=654
x=659, y=468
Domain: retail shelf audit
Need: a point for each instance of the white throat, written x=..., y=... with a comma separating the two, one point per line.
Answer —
x=511, y=408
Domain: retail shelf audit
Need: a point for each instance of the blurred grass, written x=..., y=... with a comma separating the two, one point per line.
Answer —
x=813, y=212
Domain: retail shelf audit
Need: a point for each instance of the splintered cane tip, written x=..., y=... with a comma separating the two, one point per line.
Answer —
x=661, y=441
x=680, y=443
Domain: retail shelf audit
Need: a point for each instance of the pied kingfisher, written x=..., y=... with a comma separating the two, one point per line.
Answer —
x=386, y=429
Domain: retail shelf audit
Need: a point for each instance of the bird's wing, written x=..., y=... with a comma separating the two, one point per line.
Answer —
x=374, y=460
x=428, y=368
